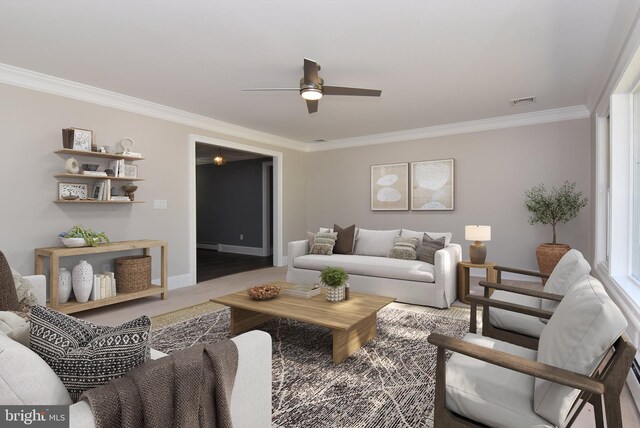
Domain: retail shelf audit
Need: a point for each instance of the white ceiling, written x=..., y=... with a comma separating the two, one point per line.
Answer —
x=436, y=62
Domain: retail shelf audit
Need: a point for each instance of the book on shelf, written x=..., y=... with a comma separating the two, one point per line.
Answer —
x=104, y=286
x=94, y=173
x=301, y=290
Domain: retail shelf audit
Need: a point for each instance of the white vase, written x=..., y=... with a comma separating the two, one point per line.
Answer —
x=64, y=285
x=335, y=294
x=82, y=280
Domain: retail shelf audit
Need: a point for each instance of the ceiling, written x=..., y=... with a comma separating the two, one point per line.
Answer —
x=436, y=62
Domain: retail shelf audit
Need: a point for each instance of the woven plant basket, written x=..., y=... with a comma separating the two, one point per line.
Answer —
x=549, y=255
x=133, y=273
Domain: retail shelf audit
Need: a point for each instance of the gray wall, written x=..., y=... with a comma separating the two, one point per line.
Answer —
x=229, y=201
x=492, y=171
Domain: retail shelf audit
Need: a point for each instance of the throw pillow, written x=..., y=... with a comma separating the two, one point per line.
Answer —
x=404, y=248
x=570, y=269
x=8, y=296
x=344, y=243
x=432, y=235
x=323, y=243
x=24, y=290
x=429, y=247
x=375, y=242
x=85, y=355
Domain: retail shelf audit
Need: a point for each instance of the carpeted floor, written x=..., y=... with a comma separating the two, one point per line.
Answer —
x=388, y=383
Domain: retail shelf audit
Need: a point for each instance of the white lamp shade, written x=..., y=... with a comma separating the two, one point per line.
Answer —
x=477, y=233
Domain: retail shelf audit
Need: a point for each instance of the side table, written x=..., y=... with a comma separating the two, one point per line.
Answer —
x=463, y=276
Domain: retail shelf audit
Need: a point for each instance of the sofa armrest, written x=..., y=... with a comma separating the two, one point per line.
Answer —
x=445, y=271
x=39, y=284
x=296, y=249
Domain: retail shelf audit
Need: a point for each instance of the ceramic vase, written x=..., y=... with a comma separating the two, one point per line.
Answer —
x=335, y=294
x=64, y=285
x=82, y=280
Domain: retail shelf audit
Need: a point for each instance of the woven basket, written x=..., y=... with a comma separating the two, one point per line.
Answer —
x=133, y=273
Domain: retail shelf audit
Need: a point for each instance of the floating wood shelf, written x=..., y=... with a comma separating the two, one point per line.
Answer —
x=93, y=201
x=97, y=154
x=97, y=177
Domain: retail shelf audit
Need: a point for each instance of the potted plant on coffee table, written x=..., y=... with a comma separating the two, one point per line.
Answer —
x=557, y=206
x=334, y=278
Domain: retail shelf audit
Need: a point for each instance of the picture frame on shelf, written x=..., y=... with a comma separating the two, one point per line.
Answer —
x=98, y=190
x=130, y=171
x=82, y=139
x=432, y=185
x=73, y=189
x=390, y=187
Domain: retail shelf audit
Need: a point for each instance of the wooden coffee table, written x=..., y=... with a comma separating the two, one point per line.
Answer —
x=353, y=321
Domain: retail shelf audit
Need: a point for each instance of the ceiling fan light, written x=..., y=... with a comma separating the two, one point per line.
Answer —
x=311, y=94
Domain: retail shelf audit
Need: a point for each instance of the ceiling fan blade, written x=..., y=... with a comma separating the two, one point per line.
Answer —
x=312, y=106
x=341, y=90
x=311, y=71
x=269, y=89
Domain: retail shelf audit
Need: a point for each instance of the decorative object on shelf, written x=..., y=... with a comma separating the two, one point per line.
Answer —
x=130, y=171
x=72, y=189
x=70, y=197
x=108, y=149
x=90, y=237
x=132, y=273
x=129, y=190
x=90, y=166
x=127, y=144
x=73, y=242
x=110, y=172
x=558, y=206
x=64, y=285
x=334, y=279
x=82, y=139
x=264, y=292
x=67, y=138
x=477, y=250
x=72, y=166
x=219, y=160
x=432, y=185
x=82, y=279
x=390, y=187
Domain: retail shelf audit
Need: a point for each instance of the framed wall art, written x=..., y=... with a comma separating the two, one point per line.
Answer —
x=82, y=139
x=432, y=185
x=130, y=171
x=72, y=189
x=390, y=187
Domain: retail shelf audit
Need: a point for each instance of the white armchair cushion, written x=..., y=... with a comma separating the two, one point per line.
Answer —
x=375, y=242
x=490, y=394
x=570, y=269
x=514, y=321
x=26, y=379
x=582, y=328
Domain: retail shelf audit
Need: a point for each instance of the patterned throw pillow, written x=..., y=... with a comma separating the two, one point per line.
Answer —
x=404, y=248
x=323, y=243
x=8, y=296
x=429, y=248
x=346, y=237
x=86, y=355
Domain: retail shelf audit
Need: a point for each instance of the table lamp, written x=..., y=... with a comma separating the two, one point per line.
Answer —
x=477, y=250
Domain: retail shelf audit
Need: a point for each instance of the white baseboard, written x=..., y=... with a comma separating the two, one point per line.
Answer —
x=178, y=281
x=208, y=246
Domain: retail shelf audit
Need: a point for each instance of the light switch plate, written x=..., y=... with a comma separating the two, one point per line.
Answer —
x=160, y=204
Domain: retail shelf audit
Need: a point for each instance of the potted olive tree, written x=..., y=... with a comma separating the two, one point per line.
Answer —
x=334, y=278
x=557, y=206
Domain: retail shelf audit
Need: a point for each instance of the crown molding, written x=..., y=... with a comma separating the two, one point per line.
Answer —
x=21, y=77
x=511, y=121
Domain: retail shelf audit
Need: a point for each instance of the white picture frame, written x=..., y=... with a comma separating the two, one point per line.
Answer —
x=130, y=171
x=390, y=187
x=82, y=139
x=73, y=189
x=432, y=185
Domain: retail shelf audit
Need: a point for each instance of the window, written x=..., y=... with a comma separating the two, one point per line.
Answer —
x=635, y=186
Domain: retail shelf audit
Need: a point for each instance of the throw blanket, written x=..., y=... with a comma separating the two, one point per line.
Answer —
x=189, y=388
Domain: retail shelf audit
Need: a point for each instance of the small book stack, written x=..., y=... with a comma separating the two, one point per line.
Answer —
x=301, y=290
x=102, y=190
x=117, y=166
x=104, y=286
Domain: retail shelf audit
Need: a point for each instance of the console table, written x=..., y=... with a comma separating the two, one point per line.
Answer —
x=55, y=253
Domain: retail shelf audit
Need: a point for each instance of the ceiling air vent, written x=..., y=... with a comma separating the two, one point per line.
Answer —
x=525, y=100
x=320, y=140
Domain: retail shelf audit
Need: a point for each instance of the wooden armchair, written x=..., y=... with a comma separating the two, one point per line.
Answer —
x=487, y=382
x=521, y=313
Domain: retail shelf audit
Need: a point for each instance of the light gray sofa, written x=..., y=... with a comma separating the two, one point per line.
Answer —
x=26, y=379
x=371, y=272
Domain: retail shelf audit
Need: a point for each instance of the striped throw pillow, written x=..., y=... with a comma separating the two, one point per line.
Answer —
x=429, y=248
x=404, y=248
x=323, y=243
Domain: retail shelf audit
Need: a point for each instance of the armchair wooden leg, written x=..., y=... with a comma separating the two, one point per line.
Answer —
x=439, y=412
x=596, y=402
x=473, y=321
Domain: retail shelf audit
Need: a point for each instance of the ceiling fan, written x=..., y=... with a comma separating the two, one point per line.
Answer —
x=312, y=87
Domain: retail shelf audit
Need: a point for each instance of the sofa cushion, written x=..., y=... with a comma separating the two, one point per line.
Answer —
x=346, y=239
x=323, y=243
x=8, y=295
x=432, y=235
x=383, y=267
x=404, y=248
x=15, y=326
x=513, y=321
x=429, y=247
x=570, y=269
x=375, y=242
x=576, y=338
x=86, y=355
x=26, y=379
x=492, y=395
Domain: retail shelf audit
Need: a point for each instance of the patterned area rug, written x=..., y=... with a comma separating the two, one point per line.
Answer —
x=388, y=383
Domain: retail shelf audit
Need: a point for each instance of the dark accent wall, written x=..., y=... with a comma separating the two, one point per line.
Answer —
x=229, y=203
